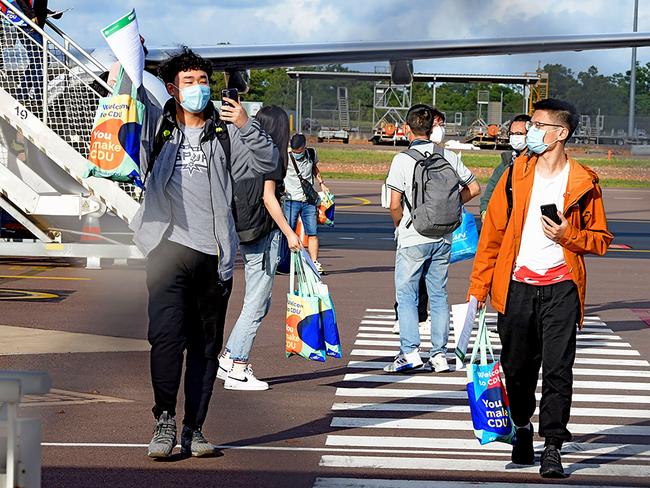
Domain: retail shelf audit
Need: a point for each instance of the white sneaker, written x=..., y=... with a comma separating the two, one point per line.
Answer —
x=319, y=267
x=405, y=362
x=396, y=327
x=225, y=365
x=245, y=381
x=425, y=327
x=439, y=363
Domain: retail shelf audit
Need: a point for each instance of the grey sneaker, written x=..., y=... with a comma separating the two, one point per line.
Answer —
x=164, y=437
x=194, y=443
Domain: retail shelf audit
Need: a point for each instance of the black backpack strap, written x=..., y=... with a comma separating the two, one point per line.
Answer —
x=163, y=134
x=509, y=189
x=221, y=129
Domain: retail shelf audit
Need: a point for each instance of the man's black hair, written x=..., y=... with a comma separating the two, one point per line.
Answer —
x=184, y=60
x=519, y=118
x=564, y=113
x=298, y=141
x=437, y=114
x=420, y=119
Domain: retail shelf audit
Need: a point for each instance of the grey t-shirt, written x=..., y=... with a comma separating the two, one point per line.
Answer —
x=292, y=183
x=188, y=190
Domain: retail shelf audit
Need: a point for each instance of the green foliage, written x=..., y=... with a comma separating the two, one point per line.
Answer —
x=589, y=91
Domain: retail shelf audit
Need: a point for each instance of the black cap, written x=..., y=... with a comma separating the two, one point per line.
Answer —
x=298, y=141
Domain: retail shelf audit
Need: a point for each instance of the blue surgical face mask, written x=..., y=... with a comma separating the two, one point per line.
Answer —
x=299, y=156
x=195, y=98
x=535, y=140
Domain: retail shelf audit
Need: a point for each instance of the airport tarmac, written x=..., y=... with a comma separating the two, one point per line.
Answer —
x=342, y=423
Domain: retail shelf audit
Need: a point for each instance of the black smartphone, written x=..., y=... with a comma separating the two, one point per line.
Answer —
x=550, y=210
x=231, y=93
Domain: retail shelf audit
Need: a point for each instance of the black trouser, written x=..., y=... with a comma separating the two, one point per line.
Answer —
x=423, y=301
x=539, y=329
x=187, y=311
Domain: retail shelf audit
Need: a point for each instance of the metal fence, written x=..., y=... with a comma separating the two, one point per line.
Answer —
x=49, y=81
x=53, y=78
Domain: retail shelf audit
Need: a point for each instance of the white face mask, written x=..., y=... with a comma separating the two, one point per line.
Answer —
x=437, y=134
x=518, y=142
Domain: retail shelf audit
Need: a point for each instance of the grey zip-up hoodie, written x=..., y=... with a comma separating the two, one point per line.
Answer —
x=251, y=150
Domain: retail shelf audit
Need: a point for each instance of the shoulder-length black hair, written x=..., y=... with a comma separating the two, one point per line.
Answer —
x=275, y=122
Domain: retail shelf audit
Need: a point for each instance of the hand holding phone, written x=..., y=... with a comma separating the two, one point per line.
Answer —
x=550, y=211
x=231, y=110
x=231, y=93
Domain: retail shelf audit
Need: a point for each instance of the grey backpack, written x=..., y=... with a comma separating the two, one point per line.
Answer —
x=435, y=203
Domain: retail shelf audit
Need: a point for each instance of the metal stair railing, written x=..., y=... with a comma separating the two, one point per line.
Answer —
x=47, y=81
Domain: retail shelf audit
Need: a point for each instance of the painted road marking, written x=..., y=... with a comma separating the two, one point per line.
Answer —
x=55, y=278
x=389, y=340
x=362, y=201
x=401, y=483
x=27, y=340
x=385, y=353
x=434, y=407
x=462, y=395
x=466, y=425
x=580, y=351
x=385, y=333
x=378, y=417
x=477, y=465
x=619, y=450
x=624, y=373
x=432, y=379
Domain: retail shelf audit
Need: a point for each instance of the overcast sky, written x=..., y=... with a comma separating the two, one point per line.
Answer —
x=207, y=22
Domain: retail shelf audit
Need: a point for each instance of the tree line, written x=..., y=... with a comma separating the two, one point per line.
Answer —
x=588, y=90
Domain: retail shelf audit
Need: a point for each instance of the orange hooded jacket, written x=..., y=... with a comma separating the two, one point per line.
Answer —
x=500, y=237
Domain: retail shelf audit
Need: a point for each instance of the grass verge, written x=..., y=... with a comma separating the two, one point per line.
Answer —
x=604, y=182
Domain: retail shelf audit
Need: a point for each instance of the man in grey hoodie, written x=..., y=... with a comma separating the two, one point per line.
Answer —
x=190, y=155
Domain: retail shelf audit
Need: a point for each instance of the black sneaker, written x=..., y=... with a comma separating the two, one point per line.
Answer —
x=522, y=448
x=551, y=464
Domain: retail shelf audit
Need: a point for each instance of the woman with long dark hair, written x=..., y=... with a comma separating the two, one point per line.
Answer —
x=260, y=252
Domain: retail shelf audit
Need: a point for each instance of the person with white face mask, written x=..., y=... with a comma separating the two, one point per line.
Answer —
x=540, y=223
x=517, y=132
x=438, y=128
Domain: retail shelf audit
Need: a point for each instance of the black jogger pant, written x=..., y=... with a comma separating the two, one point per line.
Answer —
x=187, y=311
x=423, y=301
x=539, y=329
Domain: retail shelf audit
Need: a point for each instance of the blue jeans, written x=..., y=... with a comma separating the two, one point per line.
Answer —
x=260, y=263
x=307, y=212
x=432, y=261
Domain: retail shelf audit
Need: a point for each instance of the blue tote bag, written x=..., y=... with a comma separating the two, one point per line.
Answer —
x=464, y=240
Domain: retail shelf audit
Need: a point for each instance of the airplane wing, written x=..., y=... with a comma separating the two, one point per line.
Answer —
x=230, y=57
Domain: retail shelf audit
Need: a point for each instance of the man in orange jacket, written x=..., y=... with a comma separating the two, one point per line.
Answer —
x=534, y=270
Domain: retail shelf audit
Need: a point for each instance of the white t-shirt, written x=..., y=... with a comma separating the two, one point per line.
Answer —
x=537, y=252
x=400, y=179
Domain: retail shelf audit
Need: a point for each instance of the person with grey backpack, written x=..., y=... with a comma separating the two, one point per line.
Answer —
x=433, y=184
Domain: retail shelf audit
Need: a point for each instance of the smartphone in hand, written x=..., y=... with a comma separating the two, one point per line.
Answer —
x=231, y=93
x=550, y=211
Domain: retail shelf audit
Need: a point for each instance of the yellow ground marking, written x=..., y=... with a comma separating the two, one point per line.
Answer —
x=362, y=201
x=27, y=295
x=26, y=340
x=57, y=278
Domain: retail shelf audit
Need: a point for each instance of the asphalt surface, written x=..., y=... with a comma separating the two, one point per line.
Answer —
x=321, y=424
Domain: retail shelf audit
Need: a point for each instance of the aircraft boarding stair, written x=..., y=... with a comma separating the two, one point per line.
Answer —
x=49, y=91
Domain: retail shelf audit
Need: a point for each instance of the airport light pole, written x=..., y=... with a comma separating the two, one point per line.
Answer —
x=630, y=120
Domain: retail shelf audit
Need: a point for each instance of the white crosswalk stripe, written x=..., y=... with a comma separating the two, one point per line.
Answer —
x=420, y=422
